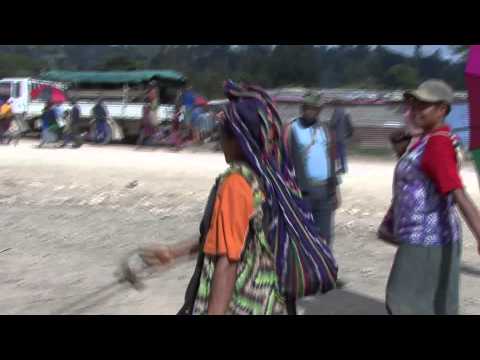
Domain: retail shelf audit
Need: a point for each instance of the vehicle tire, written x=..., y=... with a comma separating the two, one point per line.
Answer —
x=35, y=125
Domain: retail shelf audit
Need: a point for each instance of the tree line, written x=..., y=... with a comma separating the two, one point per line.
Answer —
x=206, y=66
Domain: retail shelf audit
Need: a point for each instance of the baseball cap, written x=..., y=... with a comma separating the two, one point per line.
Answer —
x=432, y=91
x=314, y=99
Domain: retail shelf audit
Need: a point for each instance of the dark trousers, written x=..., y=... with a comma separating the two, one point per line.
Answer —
x=73, y=136
x=342, y=156
x=101, y=130
x=144, y=139
x=321, y=201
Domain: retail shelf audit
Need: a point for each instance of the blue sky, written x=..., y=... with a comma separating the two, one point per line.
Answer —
x=428, y=49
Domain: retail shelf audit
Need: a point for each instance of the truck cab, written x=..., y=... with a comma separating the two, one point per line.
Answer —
x=16, y=89
x=19, y=90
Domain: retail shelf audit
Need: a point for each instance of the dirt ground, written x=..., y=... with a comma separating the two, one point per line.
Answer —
x=68, y=216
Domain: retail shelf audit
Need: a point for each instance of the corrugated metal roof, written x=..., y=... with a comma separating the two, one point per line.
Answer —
x=349, y=94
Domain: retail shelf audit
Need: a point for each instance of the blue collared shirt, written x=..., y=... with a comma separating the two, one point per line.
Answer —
x=311, y=155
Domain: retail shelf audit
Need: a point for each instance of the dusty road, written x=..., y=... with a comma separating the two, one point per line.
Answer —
x=68, y=216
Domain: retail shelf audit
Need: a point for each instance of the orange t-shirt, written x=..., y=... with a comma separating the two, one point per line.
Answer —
x=230, y=219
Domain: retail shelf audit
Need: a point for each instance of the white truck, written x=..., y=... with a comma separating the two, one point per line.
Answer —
x=124, y=116
x=24, y=108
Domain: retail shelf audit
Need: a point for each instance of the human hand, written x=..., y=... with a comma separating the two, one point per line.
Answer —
x=133, y=266
x=158, y=256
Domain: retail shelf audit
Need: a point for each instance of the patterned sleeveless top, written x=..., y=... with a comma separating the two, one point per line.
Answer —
x=256, y=290
x=422, y=215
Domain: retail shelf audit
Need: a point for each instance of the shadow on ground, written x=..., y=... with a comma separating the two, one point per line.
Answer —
x=337, y=302
x=341, y=302
x=345, y=302
x=470, y=270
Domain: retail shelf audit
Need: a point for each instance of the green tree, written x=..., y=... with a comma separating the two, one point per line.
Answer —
x=12, y=65
x=268, y=65
x=461, y=50
x=294, y=64
x=122, y=63
x=401, y=76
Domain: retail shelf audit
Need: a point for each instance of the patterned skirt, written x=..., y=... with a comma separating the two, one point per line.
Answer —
x=425, y=280
x=256, y=288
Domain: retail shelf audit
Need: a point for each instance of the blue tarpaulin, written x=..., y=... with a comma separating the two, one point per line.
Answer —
x=459, y=121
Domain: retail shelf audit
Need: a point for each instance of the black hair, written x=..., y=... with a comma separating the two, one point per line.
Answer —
x=449, y=109
x=226, y=130
x=399, y=136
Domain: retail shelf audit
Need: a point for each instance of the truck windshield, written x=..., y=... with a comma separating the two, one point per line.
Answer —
x=5, y=90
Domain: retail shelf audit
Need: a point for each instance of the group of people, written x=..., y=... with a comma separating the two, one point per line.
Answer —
x=192, y=124
x=196, y=116
x=64, y=126
x=266, y=235
x=260, y=247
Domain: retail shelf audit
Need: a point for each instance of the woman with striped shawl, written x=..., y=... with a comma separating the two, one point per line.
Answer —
x=258, y=249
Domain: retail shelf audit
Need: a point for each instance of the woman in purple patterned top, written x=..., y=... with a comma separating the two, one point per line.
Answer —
x=424, y=222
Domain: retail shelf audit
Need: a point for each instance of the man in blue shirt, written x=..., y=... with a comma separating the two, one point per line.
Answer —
x=311, y=145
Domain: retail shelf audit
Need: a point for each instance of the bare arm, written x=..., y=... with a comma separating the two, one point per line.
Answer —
x=470, y=213
x=222, y=287
x=163, y=255
x=187, y=248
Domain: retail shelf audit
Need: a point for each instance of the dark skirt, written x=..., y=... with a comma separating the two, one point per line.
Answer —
x=425, y=280
x=5, y=125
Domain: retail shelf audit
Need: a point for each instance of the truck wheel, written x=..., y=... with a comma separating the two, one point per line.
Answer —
x=35, y=125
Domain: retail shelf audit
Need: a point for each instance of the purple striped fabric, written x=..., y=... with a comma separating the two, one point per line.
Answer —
x=304, y=262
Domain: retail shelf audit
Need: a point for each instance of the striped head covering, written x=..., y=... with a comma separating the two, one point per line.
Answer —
x=304, y=262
